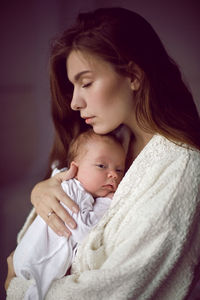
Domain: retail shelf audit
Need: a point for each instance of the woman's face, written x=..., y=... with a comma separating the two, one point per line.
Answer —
x=103, y=97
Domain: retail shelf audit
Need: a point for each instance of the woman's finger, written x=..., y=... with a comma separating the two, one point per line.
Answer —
x=65, y=199
x=60, y=216
x=69, y=174
x=54, y=214
x=58, y=226
x=62, y=213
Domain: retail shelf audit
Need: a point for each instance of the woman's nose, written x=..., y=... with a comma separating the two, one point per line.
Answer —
x=77, y=102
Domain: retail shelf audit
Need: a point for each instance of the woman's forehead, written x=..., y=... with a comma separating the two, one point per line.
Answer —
x=80, y=63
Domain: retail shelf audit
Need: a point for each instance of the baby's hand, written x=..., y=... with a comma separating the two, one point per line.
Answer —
x=110, y=195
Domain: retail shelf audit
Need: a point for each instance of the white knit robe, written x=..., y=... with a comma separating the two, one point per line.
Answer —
x=148, y=243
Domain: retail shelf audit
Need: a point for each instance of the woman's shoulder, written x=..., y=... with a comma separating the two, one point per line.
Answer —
x=180, y=157
x=160, y=146
x=164, y=156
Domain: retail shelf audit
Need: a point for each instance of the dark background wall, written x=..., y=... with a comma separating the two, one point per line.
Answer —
x=26, y=129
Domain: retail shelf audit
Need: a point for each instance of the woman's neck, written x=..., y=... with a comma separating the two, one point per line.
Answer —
x=136, y=145
x=139, y=142
x=140, y=137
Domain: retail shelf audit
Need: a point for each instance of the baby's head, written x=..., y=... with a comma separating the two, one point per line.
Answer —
x=100, y=160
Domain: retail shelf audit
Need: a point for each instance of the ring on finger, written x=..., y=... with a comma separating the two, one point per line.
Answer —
x=50, y=213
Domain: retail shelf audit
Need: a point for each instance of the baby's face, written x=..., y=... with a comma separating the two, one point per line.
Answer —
x=101, y=167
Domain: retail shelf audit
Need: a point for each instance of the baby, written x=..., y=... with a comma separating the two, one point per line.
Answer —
x=42, y=255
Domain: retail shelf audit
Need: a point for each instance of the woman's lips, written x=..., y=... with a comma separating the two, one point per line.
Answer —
x=89, y=120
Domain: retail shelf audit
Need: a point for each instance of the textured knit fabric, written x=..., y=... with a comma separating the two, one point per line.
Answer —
x=45, y=256
x=148, y=243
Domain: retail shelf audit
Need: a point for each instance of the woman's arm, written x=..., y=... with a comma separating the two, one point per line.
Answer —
x=46, y=196
x=11, y=272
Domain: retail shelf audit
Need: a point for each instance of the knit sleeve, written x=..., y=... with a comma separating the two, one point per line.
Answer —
x=17, y=288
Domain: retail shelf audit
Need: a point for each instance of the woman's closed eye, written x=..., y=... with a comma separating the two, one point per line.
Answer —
x=85, y=85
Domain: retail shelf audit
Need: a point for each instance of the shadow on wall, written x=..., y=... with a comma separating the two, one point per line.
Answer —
x=26, y=136
x=25, y=112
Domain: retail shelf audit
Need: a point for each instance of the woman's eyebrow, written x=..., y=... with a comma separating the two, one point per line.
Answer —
x=78, y=75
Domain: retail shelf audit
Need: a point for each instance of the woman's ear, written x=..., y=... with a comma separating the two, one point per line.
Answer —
x=135, y=84
x=136, y=76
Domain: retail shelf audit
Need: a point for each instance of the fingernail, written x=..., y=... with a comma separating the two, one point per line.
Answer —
x=66, y=234
x=72, y=225
x=75, y=209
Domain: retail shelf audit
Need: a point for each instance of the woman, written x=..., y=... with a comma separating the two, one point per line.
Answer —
x=112, y=70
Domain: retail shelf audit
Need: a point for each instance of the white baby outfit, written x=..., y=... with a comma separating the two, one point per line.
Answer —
x=147, y=244
x=44, y=256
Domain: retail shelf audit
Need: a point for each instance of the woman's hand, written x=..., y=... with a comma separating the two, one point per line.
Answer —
x=11, y=272
x=46, y=196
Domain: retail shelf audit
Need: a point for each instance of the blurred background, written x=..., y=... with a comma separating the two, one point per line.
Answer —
x=26, y=30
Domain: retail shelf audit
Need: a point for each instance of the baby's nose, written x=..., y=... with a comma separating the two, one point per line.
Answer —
x=113, y=174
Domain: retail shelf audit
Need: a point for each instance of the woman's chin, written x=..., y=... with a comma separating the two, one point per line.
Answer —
x=102, y=130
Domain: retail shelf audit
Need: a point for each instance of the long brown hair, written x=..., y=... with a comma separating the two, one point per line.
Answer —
x=119, y=36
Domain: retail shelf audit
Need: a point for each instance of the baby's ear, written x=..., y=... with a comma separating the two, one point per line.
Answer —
x=74, y=163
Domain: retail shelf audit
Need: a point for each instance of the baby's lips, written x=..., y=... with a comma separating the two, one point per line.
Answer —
x=114, y=184
x=111, y=186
